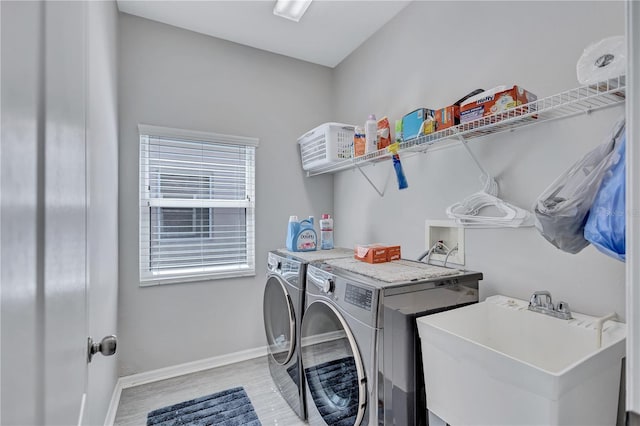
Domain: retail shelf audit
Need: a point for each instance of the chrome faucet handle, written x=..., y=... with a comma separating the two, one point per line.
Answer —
x=563, y=308
x=535, y=299
x=545, y=306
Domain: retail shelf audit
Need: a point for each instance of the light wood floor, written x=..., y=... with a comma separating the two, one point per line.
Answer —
x=253, y=375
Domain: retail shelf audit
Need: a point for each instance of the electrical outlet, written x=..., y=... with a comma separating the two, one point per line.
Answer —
x=446, y=236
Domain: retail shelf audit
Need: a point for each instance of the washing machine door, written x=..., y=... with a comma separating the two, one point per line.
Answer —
x=279, y=320
x=333, y=366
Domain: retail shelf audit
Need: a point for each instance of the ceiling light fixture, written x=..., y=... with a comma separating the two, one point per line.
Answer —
x=291, y=9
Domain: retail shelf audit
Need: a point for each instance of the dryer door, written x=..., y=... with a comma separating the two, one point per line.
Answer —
x=333, y=366
x=279, y=320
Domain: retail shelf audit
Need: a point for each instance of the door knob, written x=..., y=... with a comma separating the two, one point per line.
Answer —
x=106, y=347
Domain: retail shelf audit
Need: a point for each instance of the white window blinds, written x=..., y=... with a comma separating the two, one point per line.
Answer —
x=196, y=205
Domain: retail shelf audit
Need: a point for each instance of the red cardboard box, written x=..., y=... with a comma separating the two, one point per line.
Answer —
x=377, y=253
x=447, y=117
x=393, y=253
x=371, y=253
x=384, y=133
x=495, y=103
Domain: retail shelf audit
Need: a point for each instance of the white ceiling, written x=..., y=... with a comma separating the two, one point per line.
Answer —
x=326, y=34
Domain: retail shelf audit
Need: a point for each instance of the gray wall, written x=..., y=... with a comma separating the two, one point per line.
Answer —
x=102, y=201
x=176, y=78
x=431, y=54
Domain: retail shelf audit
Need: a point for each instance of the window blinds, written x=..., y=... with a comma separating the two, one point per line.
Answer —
x=196, y=205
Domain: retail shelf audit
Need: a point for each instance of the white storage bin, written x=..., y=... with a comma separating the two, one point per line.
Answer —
x=328, y=143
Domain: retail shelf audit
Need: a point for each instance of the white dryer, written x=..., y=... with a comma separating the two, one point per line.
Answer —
x=360, y=349
x=284, y=296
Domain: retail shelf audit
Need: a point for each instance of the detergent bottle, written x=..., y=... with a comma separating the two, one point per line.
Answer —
x=300, y=235
x=326, y=232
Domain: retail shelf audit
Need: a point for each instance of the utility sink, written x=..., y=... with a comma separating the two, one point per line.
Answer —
x=497, y=363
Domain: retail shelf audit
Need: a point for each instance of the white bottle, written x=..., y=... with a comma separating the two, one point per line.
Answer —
x=326, y=232
x=371, y=134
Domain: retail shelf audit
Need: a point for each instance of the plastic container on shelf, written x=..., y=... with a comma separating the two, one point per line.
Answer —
x=326, y=144
x=326, y=232
x=371, y=134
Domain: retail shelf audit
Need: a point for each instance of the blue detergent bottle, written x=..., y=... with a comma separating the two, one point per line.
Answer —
x=300, y=235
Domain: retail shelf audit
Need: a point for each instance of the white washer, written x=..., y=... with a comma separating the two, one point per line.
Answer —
x=283, y=307
x=360, y=349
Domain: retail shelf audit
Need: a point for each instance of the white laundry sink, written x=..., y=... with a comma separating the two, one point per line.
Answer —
x=497, y=363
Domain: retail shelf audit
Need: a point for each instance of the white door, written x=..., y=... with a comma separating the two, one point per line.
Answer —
x=43, y=200
x=65, y=208
x=102, y=202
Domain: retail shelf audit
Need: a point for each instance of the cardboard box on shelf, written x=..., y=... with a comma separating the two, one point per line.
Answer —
x=495, y=103
x=384, y=133
x=412, y=123
x=447, y=117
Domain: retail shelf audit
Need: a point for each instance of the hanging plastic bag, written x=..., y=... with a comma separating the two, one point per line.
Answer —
x=561, y=210
x=605, y=227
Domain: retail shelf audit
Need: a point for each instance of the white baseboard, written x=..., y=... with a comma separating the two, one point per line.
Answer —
x=175, y=371
x=190, y=367
x=113, y=404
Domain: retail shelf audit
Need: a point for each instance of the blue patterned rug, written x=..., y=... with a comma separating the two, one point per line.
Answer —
x=334, y=389
x=231, y=407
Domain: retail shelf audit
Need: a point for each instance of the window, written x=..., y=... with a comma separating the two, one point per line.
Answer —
x=196, y=205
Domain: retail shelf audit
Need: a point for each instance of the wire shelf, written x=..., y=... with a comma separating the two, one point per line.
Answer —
x=580, y=100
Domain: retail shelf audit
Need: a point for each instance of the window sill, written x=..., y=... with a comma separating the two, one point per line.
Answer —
x=161, y=279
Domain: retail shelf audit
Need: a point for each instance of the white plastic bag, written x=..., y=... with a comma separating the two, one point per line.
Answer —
x=561, y=210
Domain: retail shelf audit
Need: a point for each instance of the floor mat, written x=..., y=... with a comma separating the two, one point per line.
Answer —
x=231, y=407
x=334, y=389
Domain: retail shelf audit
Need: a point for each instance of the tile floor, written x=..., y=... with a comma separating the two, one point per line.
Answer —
x=253, y=375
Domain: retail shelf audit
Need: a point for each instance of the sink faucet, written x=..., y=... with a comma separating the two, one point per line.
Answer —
x=545, y=306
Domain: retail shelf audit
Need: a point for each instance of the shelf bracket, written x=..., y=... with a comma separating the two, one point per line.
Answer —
x=490, y=184
x=373, y=185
